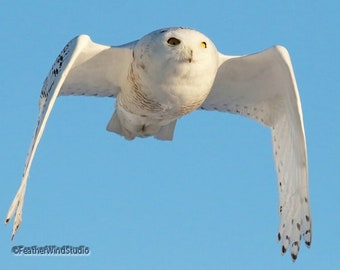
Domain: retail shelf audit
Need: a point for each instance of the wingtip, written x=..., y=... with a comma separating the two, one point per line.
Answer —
x=15, y=229
x=294, y=257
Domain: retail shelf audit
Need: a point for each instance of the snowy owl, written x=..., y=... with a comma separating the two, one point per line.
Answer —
x=172, y=72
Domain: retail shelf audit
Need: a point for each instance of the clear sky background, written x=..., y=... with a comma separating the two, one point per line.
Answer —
x=207, y=200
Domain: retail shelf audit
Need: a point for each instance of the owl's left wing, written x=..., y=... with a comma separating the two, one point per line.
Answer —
x=82, y=68
x=262, y=87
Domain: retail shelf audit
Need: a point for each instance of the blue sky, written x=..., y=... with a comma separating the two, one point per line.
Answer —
x=207, y=200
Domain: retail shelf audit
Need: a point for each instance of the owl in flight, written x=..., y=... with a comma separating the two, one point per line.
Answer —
x=170, y=73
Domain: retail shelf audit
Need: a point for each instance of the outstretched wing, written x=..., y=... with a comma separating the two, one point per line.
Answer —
x=82, y=68
x=262, y=87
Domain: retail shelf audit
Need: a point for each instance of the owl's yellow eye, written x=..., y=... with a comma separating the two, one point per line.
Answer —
x=173, y=41
x=203, y=44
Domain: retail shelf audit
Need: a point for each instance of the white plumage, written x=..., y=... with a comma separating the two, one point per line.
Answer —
x=172, y=72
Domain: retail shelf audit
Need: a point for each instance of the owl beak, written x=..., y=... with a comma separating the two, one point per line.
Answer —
x=191, y=56
x=188, y=56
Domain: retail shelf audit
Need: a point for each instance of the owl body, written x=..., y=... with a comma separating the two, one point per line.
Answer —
x=169, y=77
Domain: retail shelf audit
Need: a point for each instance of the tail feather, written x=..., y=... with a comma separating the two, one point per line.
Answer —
x=166, y=133
x=114, y=124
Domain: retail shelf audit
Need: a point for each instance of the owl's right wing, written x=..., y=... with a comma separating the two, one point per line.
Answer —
x=82, y=68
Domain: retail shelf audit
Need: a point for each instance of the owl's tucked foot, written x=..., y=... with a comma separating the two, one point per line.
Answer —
x=138, y=126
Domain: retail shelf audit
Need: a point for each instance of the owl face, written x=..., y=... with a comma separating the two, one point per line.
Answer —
x=177, y=50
